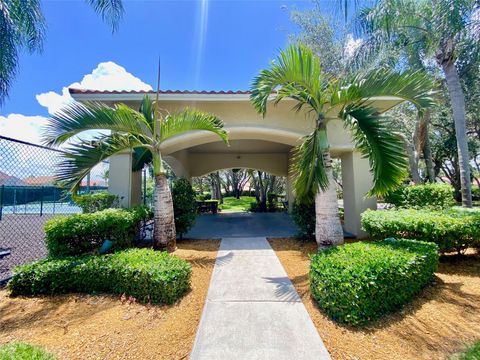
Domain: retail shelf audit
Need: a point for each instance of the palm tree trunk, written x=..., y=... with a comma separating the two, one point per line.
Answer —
x=164, y=235
x=328, y=229
x=427, y=154
x=457, y=99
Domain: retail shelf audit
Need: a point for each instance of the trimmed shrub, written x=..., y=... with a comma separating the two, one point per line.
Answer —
x=20, y=350
x=147, y=275
x=357, y=283
x=85, y=233
x=184, y=205
x=303, y=215
x=431, y=196
x=91, y=203
x=450, y=229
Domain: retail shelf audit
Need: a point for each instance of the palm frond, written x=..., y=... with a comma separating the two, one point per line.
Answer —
x=83, y=156
x=295, y=74
x=111, y=11
x=191, y=120
x=378, y=142
x=307, y=169
x=147, y=109
x=77, y=118
x=21, y=26
x=141, y=156
x=412, y=86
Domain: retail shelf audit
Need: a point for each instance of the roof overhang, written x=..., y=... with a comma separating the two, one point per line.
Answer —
x=190, y=96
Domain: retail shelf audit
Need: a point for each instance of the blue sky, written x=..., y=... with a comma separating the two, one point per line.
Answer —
x=203, y=44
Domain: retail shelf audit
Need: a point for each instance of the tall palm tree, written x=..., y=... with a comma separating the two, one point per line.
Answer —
x=297, y=74
x=22, y=26
x=143, y=131
x=444, y=32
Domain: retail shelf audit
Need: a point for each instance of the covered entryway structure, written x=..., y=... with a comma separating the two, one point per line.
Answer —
x=255, y=142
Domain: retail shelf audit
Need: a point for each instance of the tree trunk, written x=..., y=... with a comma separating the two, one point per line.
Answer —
x=427, y=154
x=457, y=100
x=164, y=235
x=328, y=229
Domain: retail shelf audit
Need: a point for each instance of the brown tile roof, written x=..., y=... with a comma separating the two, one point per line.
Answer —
x=39, y=180
x=186, y=92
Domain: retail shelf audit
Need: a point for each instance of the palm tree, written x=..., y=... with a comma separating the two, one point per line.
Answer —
x=22, y=27
x=297, y=74
x=444, y=32
x=142, y=131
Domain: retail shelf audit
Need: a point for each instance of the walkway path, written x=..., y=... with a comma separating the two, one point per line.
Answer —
x=252, y=309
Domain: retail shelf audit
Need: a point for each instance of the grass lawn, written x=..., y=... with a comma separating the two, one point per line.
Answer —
x=78, y=326
x=439, y=323
x=231, y=204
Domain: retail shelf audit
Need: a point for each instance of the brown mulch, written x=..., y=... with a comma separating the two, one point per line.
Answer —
x=441, y=321
x=110, y=327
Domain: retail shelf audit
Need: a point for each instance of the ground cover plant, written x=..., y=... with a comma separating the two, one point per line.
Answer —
x=452, y=229
x=85, y=233
x=145, y=274
x=360, y=282
x=20, y=351
x=472, y=353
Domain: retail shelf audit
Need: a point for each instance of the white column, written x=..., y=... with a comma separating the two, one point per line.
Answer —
x=124, y=183
x=357, y=181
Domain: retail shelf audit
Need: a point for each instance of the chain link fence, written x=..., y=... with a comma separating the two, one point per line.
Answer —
x=29, y=196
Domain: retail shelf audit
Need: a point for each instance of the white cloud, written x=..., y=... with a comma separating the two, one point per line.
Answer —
x=106, y=76
x=21, y=127
x=351, y=45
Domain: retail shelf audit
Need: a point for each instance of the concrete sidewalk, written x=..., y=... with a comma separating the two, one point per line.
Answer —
x=252, y=309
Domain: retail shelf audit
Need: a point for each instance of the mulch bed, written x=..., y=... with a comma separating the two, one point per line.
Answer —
x=110, y=327
x=441, y=321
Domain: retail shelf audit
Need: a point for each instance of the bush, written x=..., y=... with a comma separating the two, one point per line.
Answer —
x=303, y=215
x=450, y=229
x=359, y=282
x=431, y=196
x=147, y=275
x=85, y=233
x=91, y=203
x=184, y=205
x=23, y=351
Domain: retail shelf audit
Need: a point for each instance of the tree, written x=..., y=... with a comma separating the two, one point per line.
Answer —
x=142, y=131
x=443, y=31
x=297, y=74
x=22, y=27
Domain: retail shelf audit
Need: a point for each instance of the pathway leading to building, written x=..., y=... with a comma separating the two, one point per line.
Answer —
x=252, y=309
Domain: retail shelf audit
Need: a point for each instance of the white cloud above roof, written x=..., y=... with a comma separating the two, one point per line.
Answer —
x=106, y=76
x=22, y=127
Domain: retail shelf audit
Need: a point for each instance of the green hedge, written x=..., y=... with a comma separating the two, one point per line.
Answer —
x=147, y=275
x=85, y=233
x=91, y=203
x=359, y=282
x=453, y=229
x=431, y=196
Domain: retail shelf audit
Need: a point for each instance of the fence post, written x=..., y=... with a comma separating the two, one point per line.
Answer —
x=1, y=200
x=25, y=199
x=41, y=201
x=14, y=199
x=54, y=198
x=88, y=183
